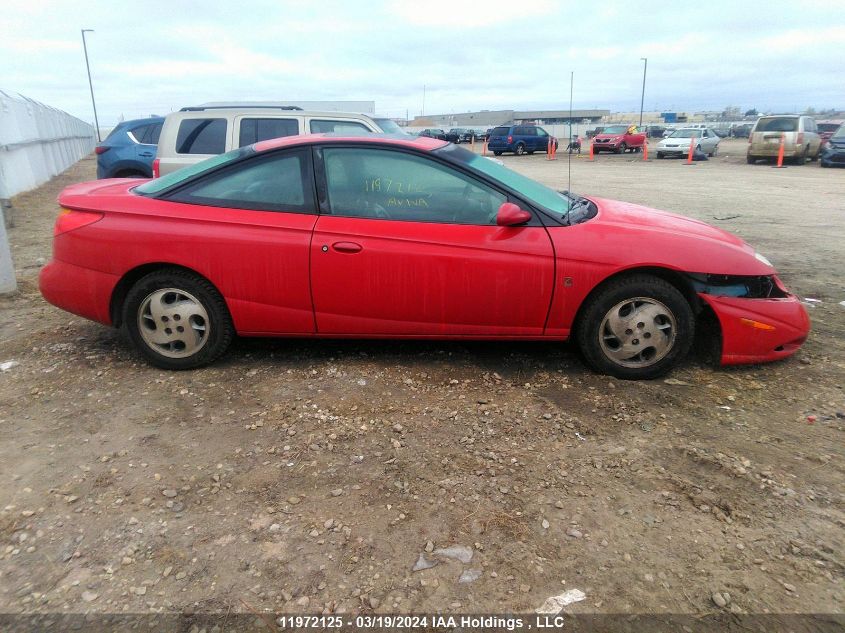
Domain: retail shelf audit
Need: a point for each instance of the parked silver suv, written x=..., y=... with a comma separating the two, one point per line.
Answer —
x=195, y=133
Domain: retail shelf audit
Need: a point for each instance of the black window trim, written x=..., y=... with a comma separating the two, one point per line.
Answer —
x=309, y=208
x=537, y=217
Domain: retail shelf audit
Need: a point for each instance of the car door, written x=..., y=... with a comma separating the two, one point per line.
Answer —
x=542, y=139
x=408, y=246
x=248, y=228
x=147, y=138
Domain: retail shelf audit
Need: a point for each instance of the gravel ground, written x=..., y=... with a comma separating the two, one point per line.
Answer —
x=302, y=476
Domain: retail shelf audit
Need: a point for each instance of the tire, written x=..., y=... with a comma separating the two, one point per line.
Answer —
x=801, y=158
x=667, y=321
x=182, y=299
x=661, y=155
x=823, y=164
x=750, y=159
x=497, y=153
x=622, y=148
x=519, y=150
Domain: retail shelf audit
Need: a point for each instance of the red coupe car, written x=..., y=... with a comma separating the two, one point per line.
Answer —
x=380, y=237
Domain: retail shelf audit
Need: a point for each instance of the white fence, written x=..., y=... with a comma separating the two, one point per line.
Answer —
x=37, y=142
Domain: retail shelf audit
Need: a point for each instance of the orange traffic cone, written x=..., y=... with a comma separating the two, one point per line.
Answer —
x=591, y=159
x=645, y=150
x=780, y=164
x=484, y=148
x=691, y=150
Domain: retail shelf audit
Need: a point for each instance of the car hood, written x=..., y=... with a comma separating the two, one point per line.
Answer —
x=624, y=235
x=609, y=136
x=676, y=141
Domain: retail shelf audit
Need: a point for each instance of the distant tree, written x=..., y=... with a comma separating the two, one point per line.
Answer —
x=810, y=111
x=751, y=112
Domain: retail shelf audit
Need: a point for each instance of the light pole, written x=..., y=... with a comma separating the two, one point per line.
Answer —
x=90, y=85
x=642, y=98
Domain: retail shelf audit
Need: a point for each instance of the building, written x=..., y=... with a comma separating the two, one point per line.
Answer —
x=488, y=118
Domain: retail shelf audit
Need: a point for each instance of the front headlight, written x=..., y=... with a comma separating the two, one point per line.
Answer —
x=759, y=257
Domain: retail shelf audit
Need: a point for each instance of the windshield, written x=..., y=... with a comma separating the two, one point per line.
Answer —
x=615, y=129
x=557, y=203
x=839, y=133
x=685, y=134
x=180, y=175
x=389, y=126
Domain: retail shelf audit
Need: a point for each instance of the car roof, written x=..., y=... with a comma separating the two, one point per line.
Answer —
x=149, y=119
x=416, y=142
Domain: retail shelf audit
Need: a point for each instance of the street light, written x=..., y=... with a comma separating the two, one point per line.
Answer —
x=90, y=85
x=642, y=98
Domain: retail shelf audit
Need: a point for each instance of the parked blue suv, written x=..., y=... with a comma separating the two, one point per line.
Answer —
x=129, y=151
x=519, y=139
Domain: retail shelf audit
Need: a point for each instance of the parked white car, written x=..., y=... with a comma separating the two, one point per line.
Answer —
x=677, y=144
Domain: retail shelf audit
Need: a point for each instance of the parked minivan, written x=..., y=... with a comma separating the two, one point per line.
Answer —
x=195, y=133
x=519, y=139
x=799, y=133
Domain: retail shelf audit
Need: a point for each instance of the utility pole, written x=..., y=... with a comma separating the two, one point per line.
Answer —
x=90, y=85
x=423, y=107
x=642, y=98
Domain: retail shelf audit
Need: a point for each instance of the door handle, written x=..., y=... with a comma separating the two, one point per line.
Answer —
x=347, y=247
x=146, y=154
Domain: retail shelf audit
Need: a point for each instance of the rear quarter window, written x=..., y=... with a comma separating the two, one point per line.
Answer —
x=201, y=136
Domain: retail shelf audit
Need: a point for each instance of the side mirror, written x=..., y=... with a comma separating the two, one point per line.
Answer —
x=511, y=215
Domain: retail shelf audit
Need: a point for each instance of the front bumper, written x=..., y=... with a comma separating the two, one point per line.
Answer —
x=833, y=157
x=78, y=290
x=787, y=326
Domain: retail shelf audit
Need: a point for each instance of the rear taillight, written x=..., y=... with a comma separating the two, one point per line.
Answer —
x=510, y=139
x=800, y=140
x=101, y=149
x=69, y=220
x=156, y=172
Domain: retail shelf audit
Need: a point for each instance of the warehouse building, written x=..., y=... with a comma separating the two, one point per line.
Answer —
x=505, y=117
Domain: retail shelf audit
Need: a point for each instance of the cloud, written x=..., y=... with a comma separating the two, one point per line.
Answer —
x=469, y=55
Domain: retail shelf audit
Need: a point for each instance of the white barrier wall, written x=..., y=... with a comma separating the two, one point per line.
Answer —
x=37, y=142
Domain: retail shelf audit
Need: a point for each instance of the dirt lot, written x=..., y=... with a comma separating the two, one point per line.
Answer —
x=309, y=476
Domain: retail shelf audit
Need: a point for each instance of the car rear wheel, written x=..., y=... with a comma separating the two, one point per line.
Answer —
x=750, y=159
x=519, y=150
x=622, y=148
x=177, y=319
x=802, y=157
x=635, y=328
x=497, y=153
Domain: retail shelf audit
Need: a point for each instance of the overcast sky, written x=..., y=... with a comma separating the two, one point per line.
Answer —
x=151, y=57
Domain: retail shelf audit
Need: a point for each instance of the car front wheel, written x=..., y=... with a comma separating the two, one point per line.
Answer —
x=635, y=328
x=177, y=320
x=622, y=148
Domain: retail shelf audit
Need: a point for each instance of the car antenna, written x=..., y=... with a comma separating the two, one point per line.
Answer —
x=569, y=150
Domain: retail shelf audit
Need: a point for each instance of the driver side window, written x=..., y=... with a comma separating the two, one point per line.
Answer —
x=393, y=185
